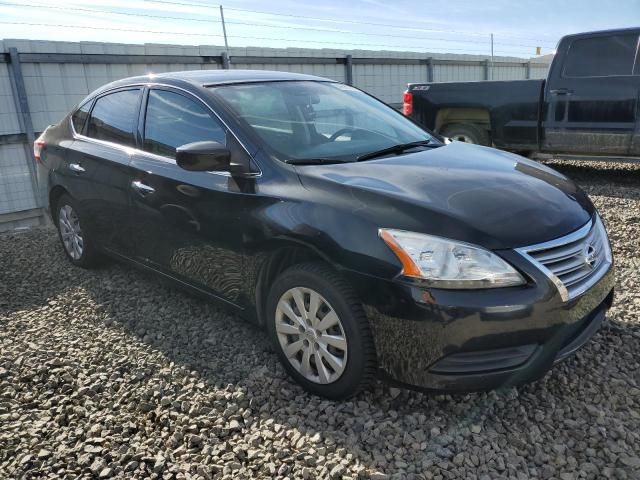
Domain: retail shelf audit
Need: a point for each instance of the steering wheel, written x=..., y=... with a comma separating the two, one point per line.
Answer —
x=340, y=133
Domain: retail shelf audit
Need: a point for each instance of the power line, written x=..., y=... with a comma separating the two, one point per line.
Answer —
x=402, y=27
x=414, y=47
x=182, y=4
x=106, y=28
x=351, y=32
x=356, y=22
x=91, y=10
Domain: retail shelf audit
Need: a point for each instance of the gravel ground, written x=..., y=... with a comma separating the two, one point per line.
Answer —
x=109, y=373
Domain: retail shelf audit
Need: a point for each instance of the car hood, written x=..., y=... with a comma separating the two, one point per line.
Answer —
x=476, y=194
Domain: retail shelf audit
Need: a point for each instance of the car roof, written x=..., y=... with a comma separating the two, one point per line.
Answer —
x=212, y=77
x=206, y=78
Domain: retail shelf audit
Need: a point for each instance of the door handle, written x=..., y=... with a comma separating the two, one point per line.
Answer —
x=561, y=91
x=141, y=188
x=76, y=167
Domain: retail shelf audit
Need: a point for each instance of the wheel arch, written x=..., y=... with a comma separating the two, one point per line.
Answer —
x=54, y=195
x=450, y=115
x=283, y=255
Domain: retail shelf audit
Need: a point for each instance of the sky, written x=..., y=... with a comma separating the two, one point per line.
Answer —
x=436, y=26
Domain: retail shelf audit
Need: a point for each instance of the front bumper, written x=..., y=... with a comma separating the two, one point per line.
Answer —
x=514, y=366
x=460, y=341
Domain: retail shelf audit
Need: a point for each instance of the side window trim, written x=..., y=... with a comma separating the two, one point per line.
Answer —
x=143, y=115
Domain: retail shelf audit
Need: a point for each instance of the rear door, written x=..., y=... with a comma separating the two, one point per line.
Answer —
x=186, y=224
x=98, y=165
x=591, y=97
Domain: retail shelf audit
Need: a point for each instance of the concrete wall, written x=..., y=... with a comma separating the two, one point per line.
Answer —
x=54, y=88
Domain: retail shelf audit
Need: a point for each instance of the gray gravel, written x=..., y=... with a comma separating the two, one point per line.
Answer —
x=112, y=374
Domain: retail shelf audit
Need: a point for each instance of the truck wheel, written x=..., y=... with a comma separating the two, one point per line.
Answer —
x=320, y=331
x=468, y=133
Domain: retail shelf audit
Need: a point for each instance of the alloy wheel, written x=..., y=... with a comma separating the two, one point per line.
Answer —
x=70, y=231
x=311, y=335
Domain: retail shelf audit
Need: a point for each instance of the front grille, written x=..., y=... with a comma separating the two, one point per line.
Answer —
x=574, y=262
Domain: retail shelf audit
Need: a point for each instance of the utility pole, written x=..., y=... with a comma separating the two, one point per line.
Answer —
x=491, y=53
x=224, y=31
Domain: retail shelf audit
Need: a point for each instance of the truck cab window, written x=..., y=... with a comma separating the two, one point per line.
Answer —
x=601, y=56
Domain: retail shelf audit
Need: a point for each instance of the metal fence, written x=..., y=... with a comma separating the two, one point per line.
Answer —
x=41, y=81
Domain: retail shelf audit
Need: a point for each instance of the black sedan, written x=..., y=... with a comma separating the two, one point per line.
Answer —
x=362, y=243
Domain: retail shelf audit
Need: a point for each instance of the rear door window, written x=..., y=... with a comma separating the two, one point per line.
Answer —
x=113, y=117
x=173, y=120
x=601, y=56
x=79, y=118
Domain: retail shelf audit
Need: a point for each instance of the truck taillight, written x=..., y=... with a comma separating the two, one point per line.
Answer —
x=38, y=145
x=407, y=103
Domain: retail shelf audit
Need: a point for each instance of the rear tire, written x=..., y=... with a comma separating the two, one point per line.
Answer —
x=468, y=133
x=77, y=243
x=328, y=346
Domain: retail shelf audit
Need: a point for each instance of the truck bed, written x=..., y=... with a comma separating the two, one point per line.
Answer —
x=510, y=107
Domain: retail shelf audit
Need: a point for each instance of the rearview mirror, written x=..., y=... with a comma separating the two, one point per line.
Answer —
x=206, y=156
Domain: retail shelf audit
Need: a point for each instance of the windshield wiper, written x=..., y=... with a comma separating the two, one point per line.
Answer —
x=397, y=149
x=311, y=161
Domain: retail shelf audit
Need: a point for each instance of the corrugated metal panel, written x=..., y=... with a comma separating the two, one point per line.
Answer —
x=8, y=118
x=458, y=73
x=539, y=71
x=508, y=72
x=387, y=82
x=16, y=192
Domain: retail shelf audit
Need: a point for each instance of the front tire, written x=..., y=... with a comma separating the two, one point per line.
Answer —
x=320, y=331
x=76, y=242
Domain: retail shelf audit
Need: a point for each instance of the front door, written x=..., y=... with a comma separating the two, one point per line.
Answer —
x=186, y=224
x=591, y=97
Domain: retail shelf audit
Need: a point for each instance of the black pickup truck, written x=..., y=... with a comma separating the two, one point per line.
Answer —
x=588, y=105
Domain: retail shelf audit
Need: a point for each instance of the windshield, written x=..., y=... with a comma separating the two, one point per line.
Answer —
x=301, y=120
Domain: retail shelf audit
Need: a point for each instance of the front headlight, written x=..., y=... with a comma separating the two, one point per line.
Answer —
x=444, y=263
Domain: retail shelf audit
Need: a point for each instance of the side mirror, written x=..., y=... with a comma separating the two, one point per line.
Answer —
x=206, y=156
